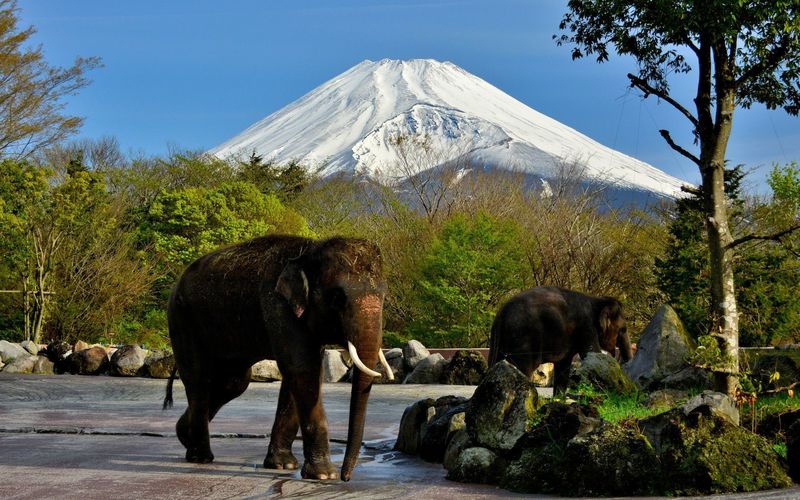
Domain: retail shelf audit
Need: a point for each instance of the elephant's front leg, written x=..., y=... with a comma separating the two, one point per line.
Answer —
x=305, y=389
x=284, y=430
x=561, y=374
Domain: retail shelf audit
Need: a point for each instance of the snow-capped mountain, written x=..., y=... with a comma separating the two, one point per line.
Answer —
x=352, y=122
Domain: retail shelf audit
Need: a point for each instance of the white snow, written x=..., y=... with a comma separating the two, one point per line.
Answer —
x=348, y=123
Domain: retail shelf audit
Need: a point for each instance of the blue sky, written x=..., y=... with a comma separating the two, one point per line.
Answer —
x=193, y=73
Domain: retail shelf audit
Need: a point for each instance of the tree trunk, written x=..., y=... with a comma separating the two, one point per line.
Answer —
x=724, y=315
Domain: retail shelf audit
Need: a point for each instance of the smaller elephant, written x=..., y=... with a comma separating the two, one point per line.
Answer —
x=551, y=325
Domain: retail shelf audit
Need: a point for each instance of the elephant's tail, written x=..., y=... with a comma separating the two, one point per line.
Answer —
x=168, y=397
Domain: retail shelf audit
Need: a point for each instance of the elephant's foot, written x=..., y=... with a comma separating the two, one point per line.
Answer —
x=320, y=470
x=199, y=456
x=281, y=459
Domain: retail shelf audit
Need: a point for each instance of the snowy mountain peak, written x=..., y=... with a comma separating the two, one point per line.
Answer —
x=351, y=123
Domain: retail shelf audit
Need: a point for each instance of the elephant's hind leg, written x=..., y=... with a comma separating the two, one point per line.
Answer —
x=192, y=430
x=284, y=431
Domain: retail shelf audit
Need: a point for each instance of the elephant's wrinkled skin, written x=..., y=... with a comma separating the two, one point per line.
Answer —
x=551, y=325
x=281, y=298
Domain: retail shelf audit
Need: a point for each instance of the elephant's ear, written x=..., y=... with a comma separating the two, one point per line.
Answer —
x=293, y=286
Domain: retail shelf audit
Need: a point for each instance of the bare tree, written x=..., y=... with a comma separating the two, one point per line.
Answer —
x=31, y=91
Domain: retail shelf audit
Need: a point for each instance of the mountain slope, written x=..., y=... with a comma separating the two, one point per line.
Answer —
x=351, y=123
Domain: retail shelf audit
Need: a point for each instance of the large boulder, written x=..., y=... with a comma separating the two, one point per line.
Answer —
x=413, y=353
x=501, y=407
x=663, y=349
x=265, y=371
x=10, y=351
x=21, y=364
x=427, y=371
x=159, y=364
x=704, y=453
x=603, y=372
x=687, y=378
x=333, y=367
x=465, y=368
x=128, y=361
x=92, y=361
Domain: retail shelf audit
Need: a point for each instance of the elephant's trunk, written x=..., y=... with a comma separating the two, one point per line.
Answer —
x=625, y=349
x=367, y=338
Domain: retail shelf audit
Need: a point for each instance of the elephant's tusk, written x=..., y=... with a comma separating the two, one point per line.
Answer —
x=389, y=372
x=357, y=361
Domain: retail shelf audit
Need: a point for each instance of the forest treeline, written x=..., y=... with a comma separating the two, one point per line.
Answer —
x=92, y=242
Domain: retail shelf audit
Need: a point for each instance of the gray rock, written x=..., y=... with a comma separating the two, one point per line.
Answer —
x=501, y=407
x=43, y=366
x=603, y=372
x=159, y=364
x=128, y=361
x=30, y=346
x=265, y=371
x=477, y=465
x=427, y=371
x=10, y=351
x=414, y=417
x=714, y=403
x=413, y=353
x=21, y=364
x=662, y=350
x=458, y=442
x=333, y=367
x=395, y=359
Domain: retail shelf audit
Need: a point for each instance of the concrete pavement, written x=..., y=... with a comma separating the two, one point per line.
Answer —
x=85, y=437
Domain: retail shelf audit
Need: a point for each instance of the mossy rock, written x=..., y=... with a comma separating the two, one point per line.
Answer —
x=602, y=372
x=703, y=454
x=612, y=461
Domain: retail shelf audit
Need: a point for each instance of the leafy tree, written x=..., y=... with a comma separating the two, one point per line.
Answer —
x=473, y=265
x=285, y=181
x=744, y=53
x=31, y=91
x=187, y=223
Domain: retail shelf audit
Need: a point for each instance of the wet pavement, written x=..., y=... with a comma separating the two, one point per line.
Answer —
x=84, y=437
x=69, y=436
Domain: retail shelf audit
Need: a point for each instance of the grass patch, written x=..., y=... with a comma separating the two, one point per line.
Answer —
x=619, y=407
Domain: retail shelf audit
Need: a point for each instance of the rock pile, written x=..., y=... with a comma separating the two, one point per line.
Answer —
x=504, y=436
x=413, y=364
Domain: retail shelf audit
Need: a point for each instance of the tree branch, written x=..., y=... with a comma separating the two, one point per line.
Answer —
x=691, y=190
x=766, y=64
x=768, y=237
x=648, y=89
x=668, y=138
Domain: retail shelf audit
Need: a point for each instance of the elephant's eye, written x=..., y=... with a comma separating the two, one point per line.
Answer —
x=336, y=298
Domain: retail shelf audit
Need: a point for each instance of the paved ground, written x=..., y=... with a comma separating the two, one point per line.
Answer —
x=102, y=437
